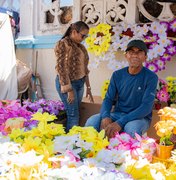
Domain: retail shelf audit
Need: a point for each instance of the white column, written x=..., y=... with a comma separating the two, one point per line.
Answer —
x=132, y=13
x=76, y=10
x=26, y=18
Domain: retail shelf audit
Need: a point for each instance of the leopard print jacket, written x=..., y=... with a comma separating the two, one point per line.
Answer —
x=71, y=62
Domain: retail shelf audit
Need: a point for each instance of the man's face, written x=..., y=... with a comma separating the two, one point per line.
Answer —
x=135, y=57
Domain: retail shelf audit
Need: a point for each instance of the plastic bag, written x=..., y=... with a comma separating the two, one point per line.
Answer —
x=24, y=75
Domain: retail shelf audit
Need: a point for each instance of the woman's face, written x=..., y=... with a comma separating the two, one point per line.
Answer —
x=79, y=36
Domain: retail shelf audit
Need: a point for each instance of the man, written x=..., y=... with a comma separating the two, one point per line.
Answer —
x=134, y=87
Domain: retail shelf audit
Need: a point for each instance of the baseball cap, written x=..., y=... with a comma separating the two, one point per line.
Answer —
x=137, y=43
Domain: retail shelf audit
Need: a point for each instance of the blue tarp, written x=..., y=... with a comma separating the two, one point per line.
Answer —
x=12, y=13
x=15, y=16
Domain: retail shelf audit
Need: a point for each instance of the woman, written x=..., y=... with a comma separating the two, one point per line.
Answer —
x=72, y=71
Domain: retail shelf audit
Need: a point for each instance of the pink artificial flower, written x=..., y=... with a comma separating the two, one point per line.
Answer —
x=71, y=156
x=162, y=95
x=164, y=83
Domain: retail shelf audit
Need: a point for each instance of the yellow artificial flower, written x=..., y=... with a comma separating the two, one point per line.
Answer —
x=55, y=129
x=31, y=143
x=99, y=39
x=16, y=133
x=165, y=128
x=172, y=88
x=35, y=132
x=45, y=117
x=104, y=88
x=89, y=134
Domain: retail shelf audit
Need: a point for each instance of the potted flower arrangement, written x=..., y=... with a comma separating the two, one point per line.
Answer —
x=166, y=130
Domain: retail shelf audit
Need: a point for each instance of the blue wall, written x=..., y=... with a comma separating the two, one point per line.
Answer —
x=37, y=42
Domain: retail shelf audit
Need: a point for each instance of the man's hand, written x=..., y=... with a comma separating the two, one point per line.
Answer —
x=112, y=129
x=105, y=122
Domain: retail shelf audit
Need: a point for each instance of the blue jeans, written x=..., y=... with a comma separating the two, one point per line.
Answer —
x=139, y=126
x=72, y=109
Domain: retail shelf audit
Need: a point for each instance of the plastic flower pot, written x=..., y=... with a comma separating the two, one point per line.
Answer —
x=162, y=151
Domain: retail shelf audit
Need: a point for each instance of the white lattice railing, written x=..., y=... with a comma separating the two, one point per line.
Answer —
x=94, y=12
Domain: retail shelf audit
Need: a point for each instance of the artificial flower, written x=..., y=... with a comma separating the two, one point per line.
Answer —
x=43, y=105
x=162, y=94
x=161, y=47
x=104, y=88
x=99, y=40
x=172, y=88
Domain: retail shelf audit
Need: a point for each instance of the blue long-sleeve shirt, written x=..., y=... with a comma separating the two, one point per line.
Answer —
x=135, y=95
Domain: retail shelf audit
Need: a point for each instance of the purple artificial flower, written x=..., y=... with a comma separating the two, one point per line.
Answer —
x=43, y=105
x=152, y=66
x=152, y=45
x=165, y=57
x=30, y=124
x=165, y=24
x=160, y=63
x=171, y=50
x=173, y=25
x=151, y=39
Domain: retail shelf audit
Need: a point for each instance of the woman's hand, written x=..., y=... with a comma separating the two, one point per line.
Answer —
x=89, y=94
x=71, y=97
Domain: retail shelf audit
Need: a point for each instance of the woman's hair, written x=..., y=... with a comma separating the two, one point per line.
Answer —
x=78, y=26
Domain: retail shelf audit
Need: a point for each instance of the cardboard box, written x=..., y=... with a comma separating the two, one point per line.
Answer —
x=151, y=131
x=88, y=109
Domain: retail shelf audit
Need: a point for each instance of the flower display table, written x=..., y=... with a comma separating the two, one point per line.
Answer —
x=88, y=109
x=82, y=153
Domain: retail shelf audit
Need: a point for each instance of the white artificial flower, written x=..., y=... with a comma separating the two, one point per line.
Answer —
x=4, y=138
x=63, y=143
x=145, y=29
x=85, y=145
x=163, y=41
x=117, y=156
x=26, y=159
x=151, y=54
x=155, y=26
x=138, y=32
x=94, y=64
x=124, y=40
x=159, y=50
x=157, y=175
x=162, y=30
x=117, y=29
